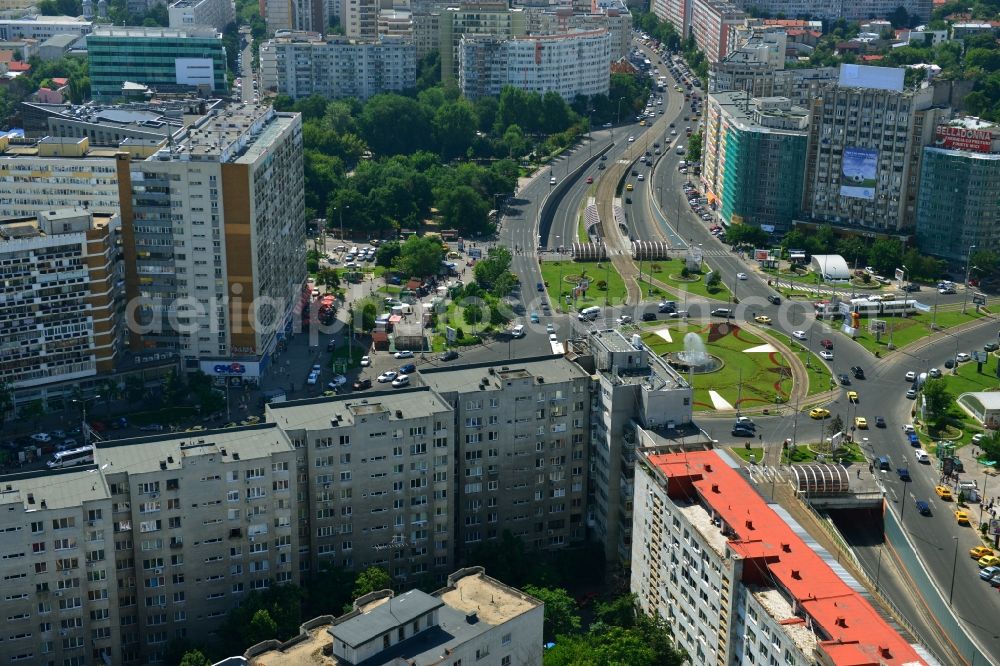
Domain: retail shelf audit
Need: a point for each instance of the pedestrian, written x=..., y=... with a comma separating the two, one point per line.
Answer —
x=859, y=472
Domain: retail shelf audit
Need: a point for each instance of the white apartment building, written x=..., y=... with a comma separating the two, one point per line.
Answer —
x=359, y=18
x=489, y=18
x=637, y=393
x=733, y=578
x=615, y=17
x=714, y=24
x=43, y=27
x=831, y=10
x=60, y=277
x=304, y=64
x=881, y=129
x=214, y=231
x=215, y=13
x=576, y=63
x=53, y=173
x=474, y=619
x=521, y=447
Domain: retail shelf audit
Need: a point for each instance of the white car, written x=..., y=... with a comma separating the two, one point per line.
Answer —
x=963, y=357
x=623, y=319
x=338, y=380
x=631, y=139
x=386, y=376
x=401, y=380
x=312, y=378
x=552, y=180
x=934, y=372
x=741, y=276
x=403, y=354
x=366, y=361
x=42, y=437
x=911, y=376
x=549, y=328
x=909, y=429
x=640, y=177
x=799, y=335
x=553, y=337
x=826, y=355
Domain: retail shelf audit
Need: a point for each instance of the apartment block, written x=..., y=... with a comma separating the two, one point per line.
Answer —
x=214, y=239
x=576, y=63
x=395, y=23
x=713, y=25
x=613, y=16
x=474, y=618
x=426, y=18
x=304, y=64
x=677, y=12
x=309, y=15
x=734, y=579
x=636, y=391
x=204, y=13
x=957, y=205
x=760, y=80
x=60, y=585
x=521, y=449
x=377, y=475
x=198, y=523
x=754, y=158
x=60, y=296
x=359, y=18
x=866, y=138
x=832, y=10
x=165, y=59
x=44, y=27
x=490, y=18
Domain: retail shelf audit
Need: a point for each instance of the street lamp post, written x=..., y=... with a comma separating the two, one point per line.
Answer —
x=620, y=100
x=85, y=429
x=968, y=269
x=954, y=565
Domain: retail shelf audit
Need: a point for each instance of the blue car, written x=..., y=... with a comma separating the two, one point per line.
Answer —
x=407, y=369
x=534, y=317
x=904, y=473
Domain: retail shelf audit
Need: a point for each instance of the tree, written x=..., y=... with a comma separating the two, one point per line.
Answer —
x=900, y=18
x=560, y=610
x=991, y=446
x=387, y=254
x=464, y=209
x=713, y=280
x=984, y=262
x=371, y=580
x=620, y=612
x=747, y=234
x=328, y=591
x=493, y=272
x=328, y=278
x=694, y=147
x=454, y=128
x=472, y=314
x=937, y=399
x=387, y=110
x=33, y=411
x=886, y=256
x=262, y=628
x=195, y=658
x=420, y=256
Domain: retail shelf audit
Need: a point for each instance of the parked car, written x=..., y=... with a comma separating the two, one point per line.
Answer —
x=400, y=381
x=449, y=355
x=366, y=361
x=407, y=368
x=403, y=354
x=361, y=385
x=387, y=376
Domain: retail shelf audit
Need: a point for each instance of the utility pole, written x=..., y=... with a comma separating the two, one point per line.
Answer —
x=968, y=270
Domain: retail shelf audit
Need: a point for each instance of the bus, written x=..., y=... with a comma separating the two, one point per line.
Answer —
x=867, y=308
x=83, y=455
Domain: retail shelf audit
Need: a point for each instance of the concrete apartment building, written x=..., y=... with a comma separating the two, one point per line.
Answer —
x=713, y=25
x=571, y=64
x=957, y=205
x=359, y=18
x=304, y=64
x=867, y=135
x=379, y=479
x=213, y=231
x=832, y=10
x=636, y=391
x=44, y=27
x=308, y=15
x=678, y=12
x=732, y=576
x=426, y=18
x=204, y=13
x=521, y=449
x=165, y=59
x=490, y=18
x=60, y=296
x=754, y=156
x=474, y=619
x=615, y=17
x=396, y=23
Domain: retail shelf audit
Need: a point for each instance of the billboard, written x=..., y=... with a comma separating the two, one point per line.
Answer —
x=857, y=170
x=195, y=71
x=900, y=274
x=761, y=255
x=877, y=78
x=230, y=368
x=963, y=138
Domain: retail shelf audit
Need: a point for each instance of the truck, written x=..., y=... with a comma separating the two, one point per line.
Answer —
x=274, y=396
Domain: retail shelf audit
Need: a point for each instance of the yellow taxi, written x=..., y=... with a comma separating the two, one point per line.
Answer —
x=989, y=561
x=762, y=319
x=944, y=492
x=852, y=396
x=978, y=552
x=819, y=413
x=642, y=123
x=861, y=423
x=962, y=518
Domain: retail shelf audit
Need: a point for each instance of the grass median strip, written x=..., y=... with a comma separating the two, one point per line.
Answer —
x=604, y=284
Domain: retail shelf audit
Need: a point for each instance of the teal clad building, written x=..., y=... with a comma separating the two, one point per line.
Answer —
x=164, y=59
x=754, y=159
x=958, y=204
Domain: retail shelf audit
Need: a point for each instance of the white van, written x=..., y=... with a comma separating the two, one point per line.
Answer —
x=922, y=456
x=589, y=314
x=517, y=331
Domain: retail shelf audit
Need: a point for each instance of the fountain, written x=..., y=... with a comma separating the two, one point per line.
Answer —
x=694, y=358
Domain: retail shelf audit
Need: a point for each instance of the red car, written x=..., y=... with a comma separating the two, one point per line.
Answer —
x=590, y=179
x=826, y=344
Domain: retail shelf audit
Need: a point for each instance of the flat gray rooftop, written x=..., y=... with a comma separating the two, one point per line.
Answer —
x=385, y=617
x=57, y=490
x=466, y=379
x=316, y=414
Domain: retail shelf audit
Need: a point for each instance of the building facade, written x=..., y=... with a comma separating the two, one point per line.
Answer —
x=736, y=581
x=304, y=64
x=754, y=157
x=713, y=25
x=359, y=18
x=166, y=59
x=204, y=13
x=866, y=138
x=677, y=12
x=307, y=15
x=832, y=10
x=214, y=239
x=959, y=201
x=44, y=27
x=490, y=18
x=615, y=18
x=570, y=64
x=61, y=276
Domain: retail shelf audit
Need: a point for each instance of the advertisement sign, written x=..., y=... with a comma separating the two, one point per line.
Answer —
x=962, y=138
x=867, y=76
x=230, y=369
x=450, y=334
x=900, y=274
x=761, y=255
x=194, y=71
x=858, y=172
x=876, y=326
x=994, y=527
x=979, y=298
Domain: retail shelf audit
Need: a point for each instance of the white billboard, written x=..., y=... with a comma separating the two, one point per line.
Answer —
x=195, y=71
x=866, y=76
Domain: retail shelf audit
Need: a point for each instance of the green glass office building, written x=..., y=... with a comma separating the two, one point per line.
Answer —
x=165, y=59
x=763, y=177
